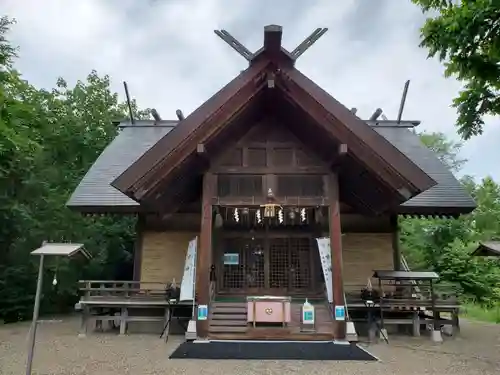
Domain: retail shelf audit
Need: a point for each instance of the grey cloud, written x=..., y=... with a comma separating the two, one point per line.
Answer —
x=167, y=52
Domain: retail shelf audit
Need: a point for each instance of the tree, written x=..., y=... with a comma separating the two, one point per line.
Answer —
x=465, y=35
x=445, y=244
x=48, y=140
x=446, y=150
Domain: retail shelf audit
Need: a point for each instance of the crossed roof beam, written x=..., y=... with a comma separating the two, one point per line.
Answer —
x=272, y=42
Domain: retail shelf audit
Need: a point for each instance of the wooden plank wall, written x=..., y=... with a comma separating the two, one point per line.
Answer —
x=164, y=254
x=364, y=252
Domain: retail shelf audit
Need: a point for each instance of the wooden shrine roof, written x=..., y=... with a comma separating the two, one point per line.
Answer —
x=95, y=194
x=378, y=175
x=405, y=275
x=488, y=249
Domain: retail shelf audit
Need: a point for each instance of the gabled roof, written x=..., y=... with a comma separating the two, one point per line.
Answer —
x=95, y=193
x=393, y=177
x=487, y=249
x=448, y=196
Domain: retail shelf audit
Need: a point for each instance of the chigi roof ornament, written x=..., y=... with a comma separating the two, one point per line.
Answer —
x=272, y=42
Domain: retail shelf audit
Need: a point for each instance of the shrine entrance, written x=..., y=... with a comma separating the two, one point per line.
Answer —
x=267, y=263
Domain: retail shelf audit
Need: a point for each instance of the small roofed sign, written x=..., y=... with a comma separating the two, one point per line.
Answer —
x=340, y=313
x=202, y=312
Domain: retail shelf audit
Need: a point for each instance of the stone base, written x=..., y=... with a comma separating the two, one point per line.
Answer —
x=436, y=336
x=191, y=333
x=351, y=334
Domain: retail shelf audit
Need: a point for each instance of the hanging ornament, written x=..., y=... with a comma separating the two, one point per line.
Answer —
x=258, y=216
x=236, y=215
x=54, y=280
x=280, y=216
x=303, y=214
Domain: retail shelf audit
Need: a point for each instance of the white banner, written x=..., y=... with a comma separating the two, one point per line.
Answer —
x=189, y=276
x=326, y=264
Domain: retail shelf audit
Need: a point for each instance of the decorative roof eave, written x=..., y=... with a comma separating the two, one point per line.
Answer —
x=214, y=112
x=487, y=249
x=395, y=168
x=432, y=212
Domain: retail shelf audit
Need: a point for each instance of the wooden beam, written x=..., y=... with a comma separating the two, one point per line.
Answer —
x=396, y=249
x=155, y=115
x=336, y=252
x=339, y=156
x=179, y=115
x=215, y=112
x=374, y=151
x=233, y=109
x=272, y=39
x=204, y=255
x=139, y=232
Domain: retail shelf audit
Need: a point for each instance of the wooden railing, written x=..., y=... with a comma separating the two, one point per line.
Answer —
x=406, y=294
x=99, y=289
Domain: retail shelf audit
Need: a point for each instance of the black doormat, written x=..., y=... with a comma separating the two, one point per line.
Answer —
x=319, y=351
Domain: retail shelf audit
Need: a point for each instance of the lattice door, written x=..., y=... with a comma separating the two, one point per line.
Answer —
x=243, y=264
x=290, y=263
x=279, y=260
x=300, y=263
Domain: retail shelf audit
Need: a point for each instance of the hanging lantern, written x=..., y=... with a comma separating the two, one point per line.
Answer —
x=270, y=207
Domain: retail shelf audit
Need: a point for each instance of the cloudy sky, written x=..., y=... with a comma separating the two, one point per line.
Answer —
x=167, y=52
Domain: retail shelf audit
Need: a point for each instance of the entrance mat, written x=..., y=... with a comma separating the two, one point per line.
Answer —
x=262, y=350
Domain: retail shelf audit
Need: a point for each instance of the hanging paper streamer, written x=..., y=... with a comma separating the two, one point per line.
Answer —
x=326, y=264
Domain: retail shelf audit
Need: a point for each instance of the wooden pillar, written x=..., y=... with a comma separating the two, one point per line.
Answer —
x=336, y=252
x=396, y=249
x=139, y=229
x=204, y=254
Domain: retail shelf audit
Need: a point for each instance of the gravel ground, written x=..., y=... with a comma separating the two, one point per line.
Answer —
x=59, y=351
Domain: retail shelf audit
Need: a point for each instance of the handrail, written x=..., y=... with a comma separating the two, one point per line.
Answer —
x=406, y=267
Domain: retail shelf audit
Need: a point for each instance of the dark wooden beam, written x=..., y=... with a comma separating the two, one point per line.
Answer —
x=339, y=156
x=272, y=39
x=204, y=254
x=375, y=115
x=336, y=253
x=139, y=229
x=396, y=249
x=214, y=113
x=155, y=115
x=374, y=151
x=179, y=115
x=230, y=111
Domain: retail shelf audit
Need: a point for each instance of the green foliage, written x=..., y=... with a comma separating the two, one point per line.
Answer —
x=446, y=150
x=48, y=140
x=465, y=35
x=445, y=245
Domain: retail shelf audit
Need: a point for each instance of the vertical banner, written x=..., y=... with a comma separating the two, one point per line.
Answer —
x=326, y=264
x=188, y=278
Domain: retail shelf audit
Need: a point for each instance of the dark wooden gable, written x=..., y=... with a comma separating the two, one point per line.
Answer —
x=269, y=146
x=269, y=156
x=377, y=176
